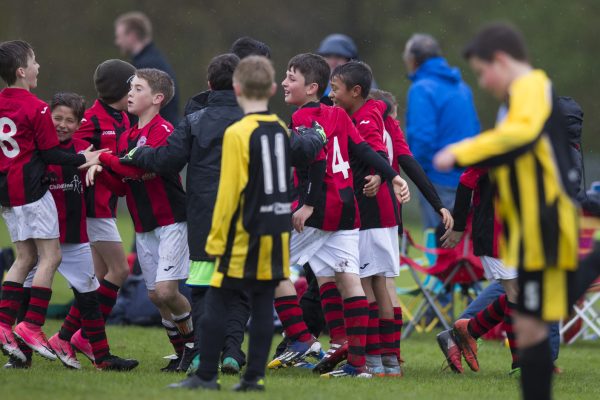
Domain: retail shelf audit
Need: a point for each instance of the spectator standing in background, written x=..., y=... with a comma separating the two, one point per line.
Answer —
x=440, y=111
x=338, y=49
x=133, y=36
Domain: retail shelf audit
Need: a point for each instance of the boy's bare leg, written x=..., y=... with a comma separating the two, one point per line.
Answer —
x=110, y=262
x=30, y=330
x=175, y=311
x=111, y=269
x=49, y=257
x=25, y=260
x=285, y=288
x=382, y=296
x=511, y=287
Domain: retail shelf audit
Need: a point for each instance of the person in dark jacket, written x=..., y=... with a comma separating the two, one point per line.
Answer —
x=133, y=36
x=242, y=47
x=440, y=111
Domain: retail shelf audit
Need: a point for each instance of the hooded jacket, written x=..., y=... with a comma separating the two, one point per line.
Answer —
x=197, y=141
x=440, y=111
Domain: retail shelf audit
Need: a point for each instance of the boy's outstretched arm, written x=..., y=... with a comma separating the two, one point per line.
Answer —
x=416, y=174
x=462, y=205
x=164, y=159
x=366, y=154
x=306, y=144
x=530, y=106
x=233, y=179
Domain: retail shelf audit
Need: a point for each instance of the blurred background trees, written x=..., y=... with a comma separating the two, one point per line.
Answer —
x=71, y=37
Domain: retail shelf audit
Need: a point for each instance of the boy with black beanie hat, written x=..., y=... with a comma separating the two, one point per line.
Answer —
x=102, y=126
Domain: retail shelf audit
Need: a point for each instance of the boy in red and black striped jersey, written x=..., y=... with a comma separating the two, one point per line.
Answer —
x=326, y=221
x=28, y=143
x=380, y=215
x=66, y=187
x=400, y=156
x=102, y=126
x=157, y=207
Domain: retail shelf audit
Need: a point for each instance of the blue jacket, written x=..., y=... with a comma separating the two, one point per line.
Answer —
x=440, y=111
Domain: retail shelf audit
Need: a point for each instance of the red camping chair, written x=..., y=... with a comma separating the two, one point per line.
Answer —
x=585, y=321
x=457, y=266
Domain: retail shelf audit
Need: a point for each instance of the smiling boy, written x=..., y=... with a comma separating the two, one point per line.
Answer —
x=28, y=143
x=157, y=207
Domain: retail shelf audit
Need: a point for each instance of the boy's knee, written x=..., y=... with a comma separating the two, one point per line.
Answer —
x=25, y=262
x=165, y=294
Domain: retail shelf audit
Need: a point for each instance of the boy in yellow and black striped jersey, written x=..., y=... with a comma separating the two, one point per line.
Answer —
x=528, y=153
x=250, y=228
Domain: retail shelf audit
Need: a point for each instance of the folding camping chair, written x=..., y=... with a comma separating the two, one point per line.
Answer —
x=585, y=321
x=452, y=266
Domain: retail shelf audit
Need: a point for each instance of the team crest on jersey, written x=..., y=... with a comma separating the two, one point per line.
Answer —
x=141, y=141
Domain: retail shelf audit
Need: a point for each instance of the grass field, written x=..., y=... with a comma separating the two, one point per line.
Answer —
x=424, y=378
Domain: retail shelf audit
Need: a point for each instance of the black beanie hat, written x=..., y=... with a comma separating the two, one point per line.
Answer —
x=112, y=80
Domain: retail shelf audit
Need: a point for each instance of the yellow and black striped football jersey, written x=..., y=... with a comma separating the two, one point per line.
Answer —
x=528, y=152
x=252, y=218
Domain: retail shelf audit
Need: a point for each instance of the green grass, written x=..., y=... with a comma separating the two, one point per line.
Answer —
x=424, y=378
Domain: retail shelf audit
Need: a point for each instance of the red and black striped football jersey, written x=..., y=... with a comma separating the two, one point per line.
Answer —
x=394, y=141
x=382, y=210
x=336, y=209
x=26, y=128
x=155, y=201
x=102, y=127
x=66, y=184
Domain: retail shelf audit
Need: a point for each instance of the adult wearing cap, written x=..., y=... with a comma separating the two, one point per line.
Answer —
x=338, y=49
x=101, y=126
x=133, y=36
x=440, y=111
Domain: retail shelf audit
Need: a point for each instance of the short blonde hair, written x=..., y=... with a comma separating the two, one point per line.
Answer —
x=137, y=22
x=159, y=82
x=255, y=75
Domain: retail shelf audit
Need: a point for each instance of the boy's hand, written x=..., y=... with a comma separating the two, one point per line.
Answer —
x=444, y=160
x=447, y=219
x=450, y=239
x=148, y=175
x=92, y=157
x=300, y=217
x=316, y=130
x=372, y=186
x=401, y=189
x=90, y=176
x=129, y=158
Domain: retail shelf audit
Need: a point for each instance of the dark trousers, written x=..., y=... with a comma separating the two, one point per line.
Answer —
x=311, y=304
x=218, y=302
x=236, y=320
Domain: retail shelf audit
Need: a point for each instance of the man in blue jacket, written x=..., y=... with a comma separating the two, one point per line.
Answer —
x=440, y=111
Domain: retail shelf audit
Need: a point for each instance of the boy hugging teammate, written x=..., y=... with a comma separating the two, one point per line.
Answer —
x=157, y=206
x=28, y=143
x=66, y=187
x=326, y=223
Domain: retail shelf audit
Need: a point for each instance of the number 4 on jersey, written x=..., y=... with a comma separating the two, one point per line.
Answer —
x=338, y=164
